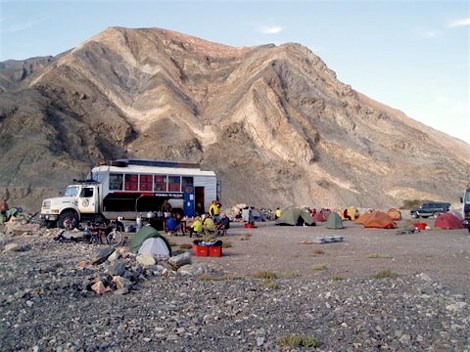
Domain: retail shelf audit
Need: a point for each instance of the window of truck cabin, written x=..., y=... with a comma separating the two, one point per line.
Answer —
x=145, y=182
x=185, y=181
x=71, y=191
x=115, y=182
x=131, y=182
x=161, y=183
x=174, y=183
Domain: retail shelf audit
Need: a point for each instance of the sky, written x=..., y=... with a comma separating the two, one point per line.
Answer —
x=412, y=55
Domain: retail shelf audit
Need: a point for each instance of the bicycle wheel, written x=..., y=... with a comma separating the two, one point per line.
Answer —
x=114, y=238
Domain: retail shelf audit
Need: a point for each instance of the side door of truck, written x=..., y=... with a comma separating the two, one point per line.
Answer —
x=88, y=200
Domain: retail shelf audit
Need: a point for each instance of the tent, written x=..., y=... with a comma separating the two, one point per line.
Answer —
x=350, y=213
x=156, y=246
x=378, y=219
x=144, y=233
x=256, y=215
x=448, y=221
x=364, y=218
x=395, y=214
x=320, y=217
x=295, y=216
x=334, y=221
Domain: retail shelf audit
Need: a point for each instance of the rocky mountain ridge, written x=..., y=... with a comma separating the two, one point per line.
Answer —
x=273, y=122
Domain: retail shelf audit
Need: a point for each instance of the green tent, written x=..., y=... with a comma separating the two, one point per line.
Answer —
x=295, y=216
x=334, y=221
x=8, y=214
x=144, y=233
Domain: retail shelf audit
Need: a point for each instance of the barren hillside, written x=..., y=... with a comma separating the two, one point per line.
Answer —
x=273, y=122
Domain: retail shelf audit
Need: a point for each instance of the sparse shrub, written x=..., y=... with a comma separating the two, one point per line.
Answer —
x=225, y=277
x=289, y=275
x=379, y=256
x=385, y=274
x=318, y=252
x=265, y=275
x=298, y=341
x=319, y=267
x=412, y=203
x=337, y=278
x=271, y=284
x=245, y=236
x=227, y=244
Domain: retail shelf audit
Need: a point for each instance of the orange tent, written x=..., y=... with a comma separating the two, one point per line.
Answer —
x=395, y=214
x=448, y=221
x=378, y=219
x=364, y=218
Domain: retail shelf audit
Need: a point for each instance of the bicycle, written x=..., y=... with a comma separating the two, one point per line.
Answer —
x=115, y=237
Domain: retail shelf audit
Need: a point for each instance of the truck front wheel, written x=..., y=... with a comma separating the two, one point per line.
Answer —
x=67, y=220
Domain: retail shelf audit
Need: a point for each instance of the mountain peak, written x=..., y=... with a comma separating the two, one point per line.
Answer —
x=273, y=121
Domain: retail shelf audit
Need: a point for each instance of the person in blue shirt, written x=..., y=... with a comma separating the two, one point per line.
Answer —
x=171, y=224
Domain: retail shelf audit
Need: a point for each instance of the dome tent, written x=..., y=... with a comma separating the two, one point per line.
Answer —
x=334, y=221
x=376, y=219
x=448, y=221
x=144, y=233
x=295, y=216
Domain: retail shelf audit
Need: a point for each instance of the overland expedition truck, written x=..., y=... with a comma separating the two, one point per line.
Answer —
x=466, y=208
x=128, y=189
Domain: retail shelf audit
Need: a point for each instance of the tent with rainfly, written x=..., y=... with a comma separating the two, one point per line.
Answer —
x=145, y=233
x=376, y=219
x=334, y=221
x=448, y=221
x=294, y=216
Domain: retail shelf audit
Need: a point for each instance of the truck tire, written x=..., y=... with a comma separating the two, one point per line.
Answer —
x=66, y=216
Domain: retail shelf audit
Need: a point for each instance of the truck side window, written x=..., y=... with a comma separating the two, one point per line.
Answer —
x=115, y=182
x=87, y=193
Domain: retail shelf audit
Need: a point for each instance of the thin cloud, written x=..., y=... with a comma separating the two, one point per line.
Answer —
x=429, y=34
x=460, y=23
x=270, y=29
x=18, y=26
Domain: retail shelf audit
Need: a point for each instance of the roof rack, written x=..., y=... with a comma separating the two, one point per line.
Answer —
x=160, y=163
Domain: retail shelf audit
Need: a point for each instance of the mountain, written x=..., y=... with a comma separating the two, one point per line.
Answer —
x=274, y=122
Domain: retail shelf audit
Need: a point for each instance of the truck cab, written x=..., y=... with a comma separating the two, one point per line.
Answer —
x=80, y=202
x=466, y=208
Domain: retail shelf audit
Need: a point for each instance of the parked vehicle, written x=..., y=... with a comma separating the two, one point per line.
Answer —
x=428, y=209
x=132, y=189
x=466, y=208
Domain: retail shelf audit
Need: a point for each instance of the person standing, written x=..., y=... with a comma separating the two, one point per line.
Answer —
x=214, y=210
x=277, y=213
x=4, y=206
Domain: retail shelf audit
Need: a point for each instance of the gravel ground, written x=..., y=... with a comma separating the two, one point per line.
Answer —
x=374, y=291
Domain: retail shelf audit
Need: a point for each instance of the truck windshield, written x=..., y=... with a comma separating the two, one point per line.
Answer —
x=71, y=191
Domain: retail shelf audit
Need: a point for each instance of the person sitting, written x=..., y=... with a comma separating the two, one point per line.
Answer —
x=196, y=227
x=277, y=213
x=171, y=224
x=209, y=225
x=223, y=225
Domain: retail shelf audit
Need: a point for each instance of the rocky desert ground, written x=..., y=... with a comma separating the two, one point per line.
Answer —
x=272, y=290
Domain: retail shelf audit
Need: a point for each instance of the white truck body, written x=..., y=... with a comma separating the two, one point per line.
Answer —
x=128, y=189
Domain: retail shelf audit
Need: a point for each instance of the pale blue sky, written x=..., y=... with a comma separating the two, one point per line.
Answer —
x=410, y=55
